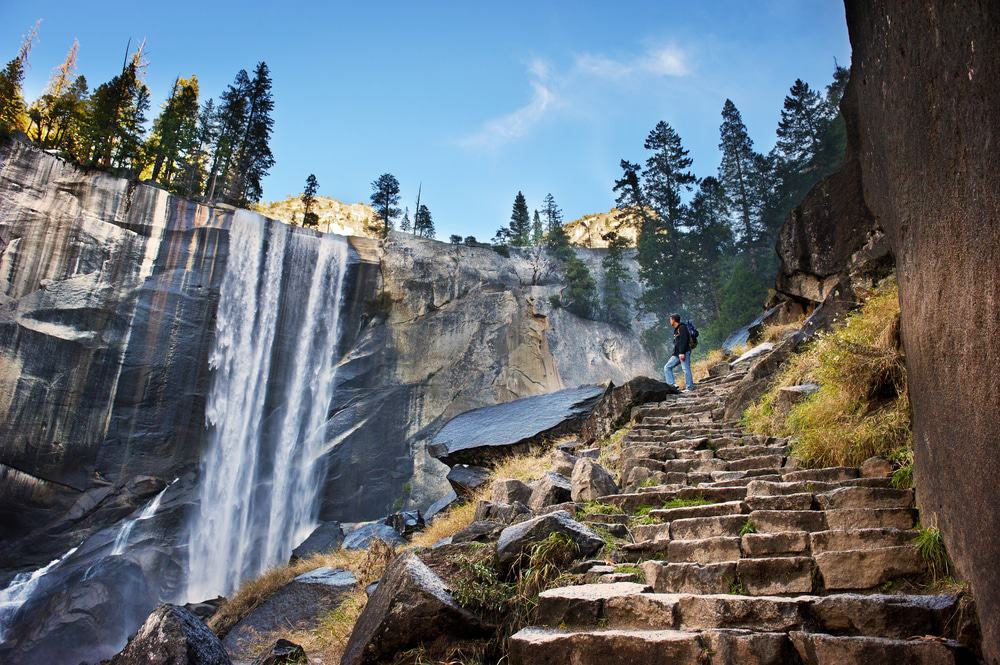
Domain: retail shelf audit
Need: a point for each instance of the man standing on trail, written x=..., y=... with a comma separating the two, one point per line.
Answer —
x=681, y=355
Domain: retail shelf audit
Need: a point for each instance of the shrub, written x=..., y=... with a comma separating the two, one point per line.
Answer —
x=747, y=528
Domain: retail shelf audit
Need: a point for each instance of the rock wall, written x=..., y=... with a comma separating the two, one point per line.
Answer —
x=926, y=79
x=108, y=299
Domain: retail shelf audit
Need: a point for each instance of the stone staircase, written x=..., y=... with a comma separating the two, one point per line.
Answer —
x=730, y=553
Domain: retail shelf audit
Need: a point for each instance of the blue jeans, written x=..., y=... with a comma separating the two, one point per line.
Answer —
x=668, y=370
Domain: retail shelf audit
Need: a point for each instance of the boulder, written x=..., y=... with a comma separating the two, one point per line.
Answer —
x=326, y=537
x=361, y=536
x=615, y=406
x=206, y=608
x=299, y=605
x=466, y=479
x=406, y=522
x=876, y=467
x=172, y=636
x=516, y=539
x=505, y=513
x=788, y=396
x=479, y=530
x=562, y=462
x=482, y=435
x=411, y=607
x=754, y=353
x=719, y=369
x=282, y=652
x=590, y=480
x=508, y=490
x=549, y=490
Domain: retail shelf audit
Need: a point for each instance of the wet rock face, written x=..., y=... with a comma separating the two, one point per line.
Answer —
x=484, y=434
x=926, y=82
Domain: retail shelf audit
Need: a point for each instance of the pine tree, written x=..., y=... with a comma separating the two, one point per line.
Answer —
x=556, y=238
x=310, y=218
x=615, y=276
x=537, y=230
x=803, y=121
x=174, y=139
x=51, y=110
x=191, y=180
x=739, y=174
x=709, y=241
x=116, y=118
x=423, y=223
x=581, y=291
x=405, y=224
x=666, y=174
x=520, y=222
x=254, y=158
x=231, y=118
x=385, y=199
x=12, y=108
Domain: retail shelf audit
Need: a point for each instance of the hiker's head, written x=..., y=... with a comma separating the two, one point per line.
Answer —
x=675, y=320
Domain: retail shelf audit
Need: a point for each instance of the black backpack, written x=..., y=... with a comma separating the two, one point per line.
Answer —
x=692, y=334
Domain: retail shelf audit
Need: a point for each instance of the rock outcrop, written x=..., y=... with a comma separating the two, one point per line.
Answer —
x=925, y=80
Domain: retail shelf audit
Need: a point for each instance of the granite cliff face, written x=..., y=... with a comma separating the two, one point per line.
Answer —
x=926, y=80
x=111, y=301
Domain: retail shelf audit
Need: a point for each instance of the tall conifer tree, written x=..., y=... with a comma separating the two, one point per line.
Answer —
x=520, y=222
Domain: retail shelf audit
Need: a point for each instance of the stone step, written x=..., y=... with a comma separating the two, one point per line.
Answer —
x=756, y=462
x=778, y=521
x=717, y=549
x=787, y=543
x=544, y=646
x=801, y=501
x=633, y=605
x=866, y=497
x=859, y=539
x=772, y=488
x=764, y=576
x=820, y=649
x=732, y=453
x=827, y=475
x=707, y=510
x=694, y=528
x=869, y=568
x=877, y=518
x=757, y=474
x=631, y=502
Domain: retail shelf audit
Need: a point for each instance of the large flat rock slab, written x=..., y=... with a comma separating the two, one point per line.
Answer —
x=481, y=435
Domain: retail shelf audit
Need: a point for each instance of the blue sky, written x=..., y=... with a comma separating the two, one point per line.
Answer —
x=475, y=100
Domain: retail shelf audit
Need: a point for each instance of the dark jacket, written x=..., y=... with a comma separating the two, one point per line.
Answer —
x=682, y=340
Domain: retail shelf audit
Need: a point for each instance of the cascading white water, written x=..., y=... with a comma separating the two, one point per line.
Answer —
x=20, y=589
x=125, y=532
x=267, y=408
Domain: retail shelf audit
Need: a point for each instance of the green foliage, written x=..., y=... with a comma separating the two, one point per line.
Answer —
x=615, y=308
x=385, y=201
x=455, y=239
x=309, y=218
x=580, y=295
x=520, y=223
x=929, y=543
x=423, y=223
x=480, y=587
x=747, y=528
x=736, y=587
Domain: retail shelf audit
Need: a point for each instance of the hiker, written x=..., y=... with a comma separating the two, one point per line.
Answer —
x=683, y=344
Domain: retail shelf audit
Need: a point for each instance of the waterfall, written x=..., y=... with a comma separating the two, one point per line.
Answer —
x=20, y=589
x=125, y=532
x=273, y=362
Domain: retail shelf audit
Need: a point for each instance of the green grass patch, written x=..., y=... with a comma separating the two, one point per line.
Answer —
x=930, y=545
x=598, y=508
x=747, y=528
x=686, y=503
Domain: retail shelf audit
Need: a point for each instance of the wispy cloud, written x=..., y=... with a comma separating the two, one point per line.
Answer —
x=550, y=90
x=502, y=129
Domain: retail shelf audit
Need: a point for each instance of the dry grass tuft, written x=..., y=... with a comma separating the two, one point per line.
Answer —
x=861, y=408
x=776, y=332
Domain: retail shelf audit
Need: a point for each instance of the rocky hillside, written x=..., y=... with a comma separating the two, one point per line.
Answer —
x=113, y=293
x=346, y=219
x=589, y=230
